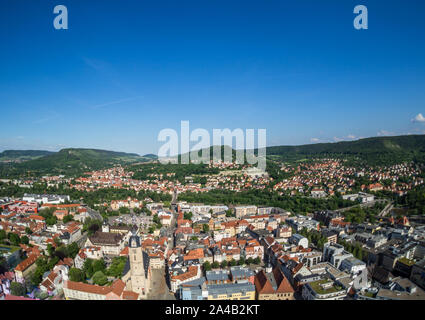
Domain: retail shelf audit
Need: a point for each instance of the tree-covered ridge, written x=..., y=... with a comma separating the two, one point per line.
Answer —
x=371, y=151
x=8, y=155
x=70, y=162
x=376, y=150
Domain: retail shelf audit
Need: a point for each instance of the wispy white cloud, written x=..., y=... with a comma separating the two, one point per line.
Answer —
x=95, y=64
x=418, y=118
x=50, y=117
x=349, y=137
x=110, y=103
x=383, y=133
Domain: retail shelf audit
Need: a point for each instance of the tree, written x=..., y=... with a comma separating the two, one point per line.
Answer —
x=207, y=266
x=42, y=267
x=229, y=213
x=68, y=218
x=28, y=230
x=52, y=262
x=57, y=241
x=60, y=253
x=215, y=265
x=41, y=295
x=188, y=215
x=99, y=265
x=76, y=275
x=72, y=250
x=14, y=239
x=117, y=267
x=233, y=262
x=156, y=219
x=205, y=228
x=52, y=220
x=124, y=210
x=88, y=268
x=356, y=252
x=3, y=235
x=50, y=249
x=249, y=261
x=91, y=226
x=223, y=264
x=17, y=289
x=100, y=278
x=360, y=254
x=257, y=260
x=25, y=240
x=241, y=261
x=3, y=265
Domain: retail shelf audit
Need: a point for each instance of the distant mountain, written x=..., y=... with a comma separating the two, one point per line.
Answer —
x=374, y=150
x=377, y=150
x=22, y=154
x=71, y=161
x=150, y=156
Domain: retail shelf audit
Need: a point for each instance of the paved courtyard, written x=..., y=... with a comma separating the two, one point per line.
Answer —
x=159, y=288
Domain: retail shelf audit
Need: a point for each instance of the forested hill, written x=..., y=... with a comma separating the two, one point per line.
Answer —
x=22, y=154
x=377, y=150
x=70, y=161
x=373, y=150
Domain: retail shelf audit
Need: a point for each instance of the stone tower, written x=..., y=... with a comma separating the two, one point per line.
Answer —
x=105, y=226
x=139, y=275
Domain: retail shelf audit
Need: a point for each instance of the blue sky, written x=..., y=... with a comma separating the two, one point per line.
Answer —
x=126, y=69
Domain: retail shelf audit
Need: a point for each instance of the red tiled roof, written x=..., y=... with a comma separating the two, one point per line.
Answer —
x=130, y=295
x=27, y=262
x=124, y=252
x=12, y=297
x=116, y=288
x=85, y=287
x=262, y=283
x=35, y=217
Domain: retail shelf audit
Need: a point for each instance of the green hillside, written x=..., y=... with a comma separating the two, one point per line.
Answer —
x=70, y=162
x=22, y=155
x=375, y=150
x=379, y=150
x=150, y=156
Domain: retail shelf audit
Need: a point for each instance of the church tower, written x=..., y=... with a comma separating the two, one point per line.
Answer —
x=105, y=226
x=139, y=275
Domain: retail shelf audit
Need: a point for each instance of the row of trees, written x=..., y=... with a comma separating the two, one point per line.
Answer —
x=90, y=198
x=209, y=266
x=143, y=171
x=355, y=249
x=12, y=238
x=314, y=237
x=91, y=226
x=48, y=215
x=361, y=214
x=297, y=204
